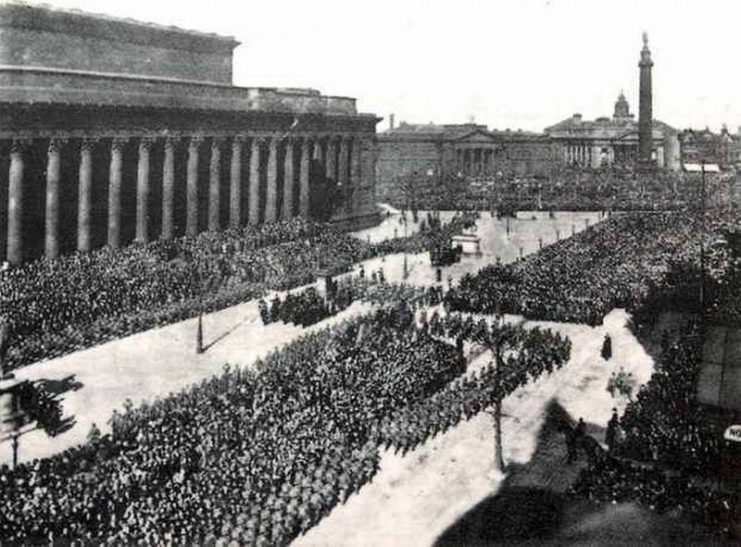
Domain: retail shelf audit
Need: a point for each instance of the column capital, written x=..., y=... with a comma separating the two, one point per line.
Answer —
x=117, y=143
x=20, y=144
x=172, y=141
x=146, y=143
x=194, y=141
x=56, y=144
x=88, y=143
x=217, y=142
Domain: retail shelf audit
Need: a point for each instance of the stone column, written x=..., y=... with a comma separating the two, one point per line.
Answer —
x=317, y=152
x=142, y=191
x=271, y=201
x=254, y=213
x=331, y=163
x=355, y=171
x=114, y=192
x=191, y=220
x=51, y=232
x=288, y=181
x=168, y=188
x=235, y=184
x=15, y=202
x=85, y=198
x=214, y=187
x=342, y=175
x=303, y=176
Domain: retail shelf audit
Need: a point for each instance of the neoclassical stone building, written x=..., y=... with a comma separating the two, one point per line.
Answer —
x=113, y=131
x=432, y=155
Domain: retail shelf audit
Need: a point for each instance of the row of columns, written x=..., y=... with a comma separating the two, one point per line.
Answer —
x=473, y=161
x=342, y=164
x=578, y=152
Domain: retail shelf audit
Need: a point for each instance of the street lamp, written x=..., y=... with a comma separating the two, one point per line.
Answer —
x=405, y=266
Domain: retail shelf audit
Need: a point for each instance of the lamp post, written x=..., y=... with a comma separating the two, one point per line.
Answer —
x=405, y=266
x=199, y=324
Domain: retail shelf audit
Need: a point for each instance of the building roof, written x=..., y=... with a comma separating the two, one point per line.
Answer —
x=608, y=128
x=52, y=19
x=455, y=132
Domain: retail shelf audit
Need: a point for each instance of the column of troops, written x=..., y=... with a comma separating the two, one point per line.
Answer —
x=338, y=156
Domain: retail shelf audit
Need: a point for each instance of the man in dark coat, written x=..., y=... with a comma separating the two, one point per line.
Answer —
x=611, y=433
x=607, y=348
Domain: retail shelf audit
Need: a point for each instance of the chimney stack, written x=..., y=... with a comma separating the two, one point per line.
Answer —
x=391, y=121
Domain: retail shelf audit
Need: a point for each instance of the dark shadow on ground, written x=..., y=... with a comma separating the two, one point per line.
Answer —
x=534, y=505
x=221, y=337
x=530, y=504
x=65, y=425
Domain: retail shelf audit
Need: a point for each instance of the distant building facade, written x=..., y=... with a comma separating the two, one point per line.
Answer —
x=428, y=155
x=615, y=141
x=113, y=131
x=435, y=154
x=703, y=145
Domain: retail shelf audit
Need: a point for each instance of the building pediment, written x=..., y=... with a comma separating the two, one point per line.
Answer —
x=476, y=137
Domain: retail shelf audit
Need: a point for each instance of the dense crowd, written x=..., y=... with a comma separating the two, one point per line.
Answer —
x=259, y=456
x=529, y=354
x=671, y=451
x=53, y=307
x=615, y=264
x=665, y=424
x=613, y=481
x=572, y=189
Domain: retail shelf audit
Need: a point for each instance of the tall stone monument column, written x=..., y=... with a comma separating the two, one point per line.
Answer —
x=645, y=108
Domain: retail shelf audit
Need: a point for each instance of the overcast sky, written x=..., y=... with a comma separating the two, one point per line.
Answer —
x=509, y=64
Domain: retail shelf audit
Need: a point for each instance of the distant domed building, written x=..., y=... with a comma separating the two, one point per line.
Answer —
x=612, y=141
x=620, y=140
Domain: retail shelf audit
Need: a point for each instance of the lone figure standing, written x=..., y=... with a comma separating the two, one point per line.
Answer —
x=607, y=348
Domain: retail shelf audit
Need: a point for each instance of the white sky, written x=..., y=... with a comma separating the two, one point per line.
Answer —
x=509, y=64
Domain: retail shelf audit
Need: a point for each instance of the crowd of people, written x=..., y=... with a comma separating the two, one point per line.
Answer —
x=573, y=189
x=303, y=308
x=670, y=451
x=256, y=455
x=665, y=424
x=614, y=481
x=529, y=354
x=53, y=307
x=615, y=264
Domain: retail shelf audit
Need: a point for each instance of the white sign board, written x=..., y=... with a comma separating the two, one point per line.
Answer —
x=733, y=433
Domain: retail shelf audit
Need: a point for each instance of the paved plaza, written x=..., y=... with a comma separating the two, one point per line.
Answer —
x=161, y=361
